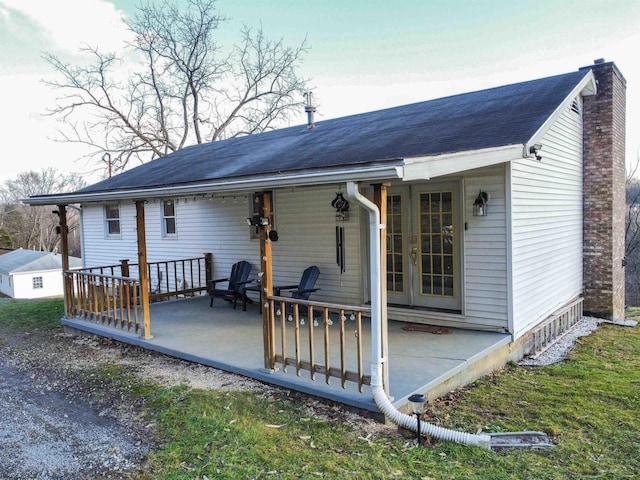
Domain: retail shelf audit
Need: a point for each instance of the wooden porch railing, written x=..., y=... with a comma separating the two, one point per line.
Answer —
x=337, y=327
x=106, y=299
x=167, y=279
x=110, y=294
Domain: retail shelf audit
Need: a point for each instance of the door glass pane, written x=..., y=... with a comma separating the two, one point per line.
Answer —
x=448, y=264
x=437, y=285
x=426, y=284
x=447, y=203
x=448, y=286
x=395, y=253
x=435, y=224
x=396, y=204
x=437, y=243
x=435, y=203
x=437, y=264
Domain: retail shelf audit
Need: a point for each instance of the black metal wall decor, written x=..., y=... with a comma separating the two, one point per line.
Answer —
x=340, y=256
x=341, y=205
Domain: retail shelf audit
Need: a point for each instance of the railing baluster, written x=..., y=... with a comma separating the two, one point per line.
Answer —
x=134, y=288
x=359, y=349
x=175, y=276
x=312, y=358
x=296, y=319
x=127, y=293
x=283, y=337
x=327, y=353
x=343, y=351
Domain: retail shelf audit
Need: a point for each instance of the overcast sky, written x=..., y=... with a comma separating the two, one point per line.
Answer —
x=365, y=54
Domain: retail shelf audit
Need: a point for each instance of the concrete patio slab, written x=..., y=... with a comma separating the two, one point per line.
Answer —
x=231, y=340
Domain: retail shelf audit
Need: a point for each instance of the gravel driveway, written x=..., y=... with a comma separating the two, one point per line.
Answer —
x=60, y=419
x=46, y=435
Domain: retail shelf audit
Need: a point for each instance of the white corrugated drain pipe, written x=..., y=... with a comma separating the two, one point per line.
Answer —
x=380, y=397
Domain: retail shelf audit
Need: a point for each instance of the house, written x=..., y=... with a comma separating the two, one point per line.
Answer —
x=499, y=210
x=33, y=274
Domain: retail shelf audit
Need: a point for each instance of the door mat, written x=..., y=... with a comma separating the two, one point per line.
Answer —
x=427, y=328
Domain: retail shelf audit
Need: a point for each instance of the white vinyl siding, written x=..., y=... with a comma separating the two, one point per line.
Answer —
x=305, y=225
x=207, y=225
x=485, y=252
x=547, y=225
x=103, y=250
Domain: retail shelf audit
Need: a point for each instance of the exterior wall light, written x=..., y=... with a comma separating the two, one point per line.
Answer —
x=258, y=221
x=480, y=204
x=535, y=150
x=418, y=402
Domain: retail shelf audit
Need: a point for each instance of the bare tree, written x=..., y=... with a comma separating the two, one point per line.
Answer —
x=632, y=235
x=186, y=89
x=35, y=227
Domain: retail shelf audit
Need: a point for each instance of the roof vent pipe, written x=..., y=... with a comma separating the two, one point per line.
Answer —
x=310, y=109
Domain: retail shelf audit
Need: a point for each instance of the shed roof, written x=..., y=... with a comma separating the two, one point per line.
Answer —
x=20, y=261
x=497, y=117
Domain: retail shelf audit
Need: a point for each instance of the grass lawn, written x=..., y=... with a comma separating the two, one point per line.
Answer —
x=589, y=404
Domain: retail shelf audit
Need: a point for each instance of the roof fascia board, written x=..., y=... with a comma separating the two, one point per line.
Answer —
x=587, y=86
x=379, y=172
x=425, y=168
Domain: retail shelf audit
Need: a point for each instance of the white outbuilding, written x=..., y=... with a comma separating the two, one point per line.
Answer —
x=33, y=274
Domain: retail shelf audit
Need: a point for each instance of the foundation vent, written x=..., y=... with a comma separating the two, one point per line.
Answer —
x=555, y=327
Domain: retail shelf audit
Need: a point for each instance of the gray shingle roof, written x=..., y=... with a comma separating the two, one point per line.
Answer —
x=501, y=116
x=18, y=261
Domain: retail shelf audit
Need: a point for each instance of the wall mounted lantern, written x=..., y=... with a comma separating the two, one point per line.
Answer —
x=480, y=204
x=418, y=402
x=258, y=221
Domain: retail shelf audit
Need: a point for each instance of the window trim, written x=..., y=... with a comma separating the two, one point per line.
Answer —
x=109, y=220
x=164, y=218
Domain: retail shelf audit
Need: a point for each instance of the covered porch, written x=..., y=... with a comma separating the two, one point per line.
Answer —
x=431, y=360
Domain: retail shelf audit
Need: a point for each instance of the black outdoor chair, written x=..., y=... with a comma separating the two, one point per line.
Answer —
x=237, y=281
x=303, y=290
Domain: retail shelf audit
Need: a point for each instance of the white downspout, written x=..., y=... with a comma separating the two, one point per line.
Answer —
x=380, y=397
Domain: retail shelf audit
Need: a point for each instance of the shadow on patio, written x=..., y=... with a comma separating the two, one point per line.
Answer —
x=232, y=340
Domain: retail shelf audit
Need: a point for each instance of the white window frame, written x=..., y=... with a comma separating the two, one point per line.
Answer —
x=108, y=221
x=165, y=219
x=37, y=282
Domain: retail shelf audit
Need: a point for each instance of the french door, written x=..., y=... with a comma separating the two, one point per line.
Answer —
x=423, y=246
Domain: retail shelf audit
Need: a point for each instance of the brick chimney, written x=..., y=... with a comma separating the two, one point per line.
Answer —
x=604, y=193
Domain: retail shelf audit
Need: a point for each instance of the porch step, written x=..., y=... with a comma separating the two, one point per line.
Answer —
x=555, y=327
